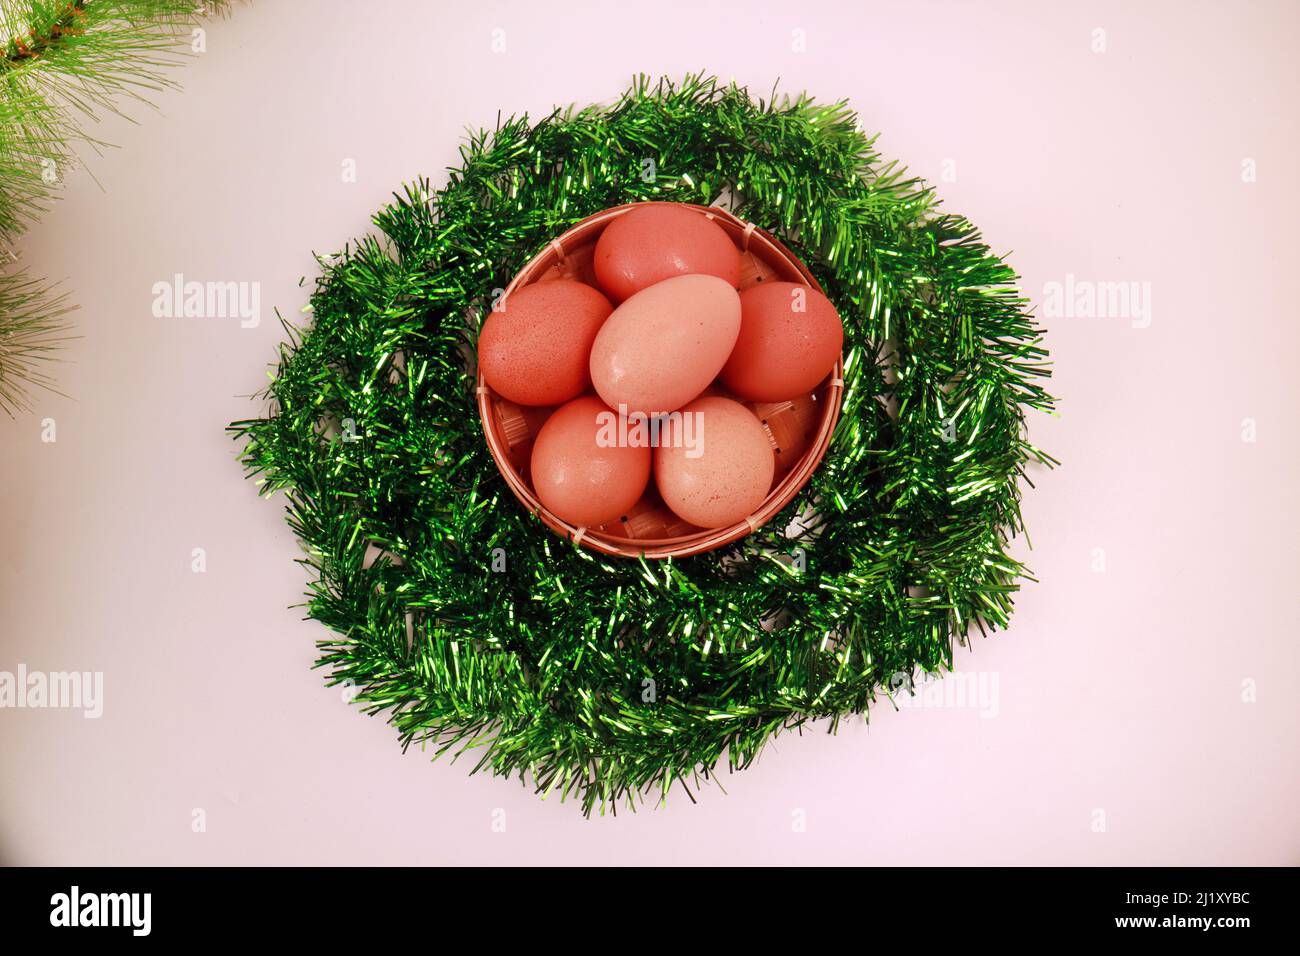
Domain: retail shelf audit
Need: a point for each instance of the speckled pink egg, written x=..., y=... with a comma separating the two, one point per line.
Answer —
x=790, y=338
x=534, y=346
x=658, y=241
x=580, y=470
x=714, y=464
x=663, y=346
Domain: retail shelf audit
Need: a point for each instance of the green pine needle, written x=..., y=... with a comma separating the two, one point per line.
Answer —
x=64, y=64
x=32, y=328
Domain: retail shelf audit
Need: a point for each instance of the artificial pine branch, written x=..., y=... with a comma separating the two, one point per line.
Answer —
x=63, y=65
x=32, y=327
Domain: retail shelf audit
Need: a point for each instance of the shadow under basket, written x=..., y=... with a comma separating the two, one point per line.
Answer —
x=799, y=429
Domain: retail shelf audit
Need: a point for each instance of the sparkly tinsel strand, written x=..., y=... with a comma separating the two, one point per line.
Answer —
x=481, y=634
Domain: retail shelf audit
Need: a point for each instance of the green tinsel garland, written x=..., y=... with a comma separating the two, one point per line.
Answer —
x=479, y=631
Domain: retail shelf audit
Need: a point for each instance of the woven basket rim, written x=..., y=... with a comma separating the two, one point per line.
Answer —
x=745, y=234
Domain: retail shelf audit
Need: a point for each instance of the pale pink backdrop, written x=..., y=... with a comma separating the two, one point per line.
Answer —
x=1146, y=708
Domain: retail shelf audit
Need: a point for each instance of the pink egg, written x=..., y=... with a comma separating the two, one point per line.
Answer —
x=658, y=241
x=663, y=346
x=580, y=469
x=534, y=346
x=713, y=464
x=790, y=338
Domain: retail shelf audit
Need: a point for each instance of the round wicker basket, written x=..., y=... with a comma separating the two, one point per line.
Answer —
x=799, y=429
